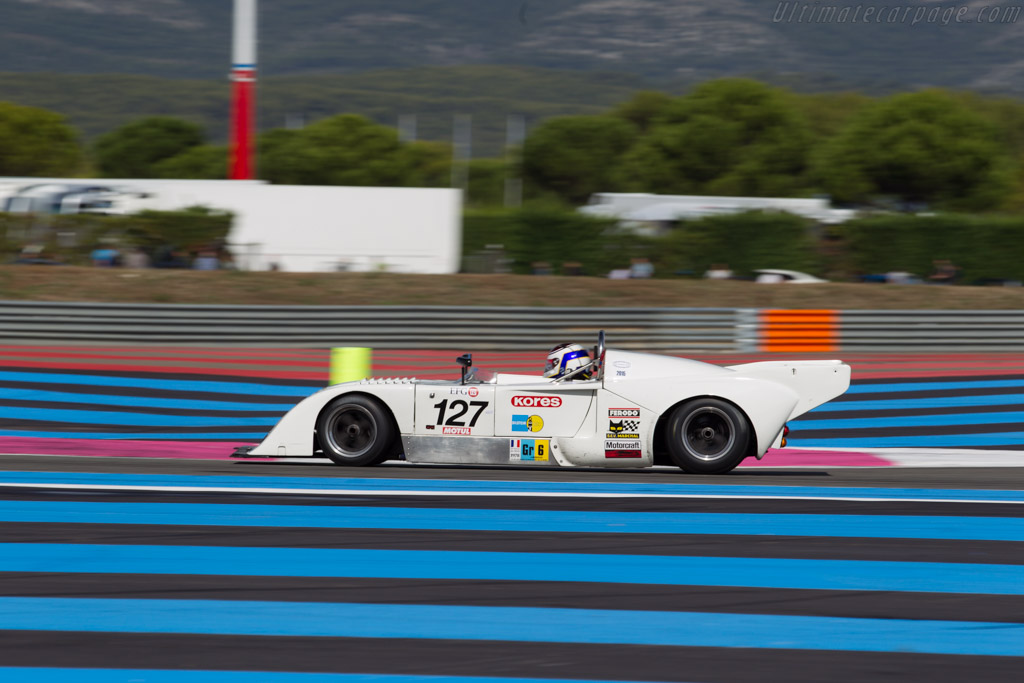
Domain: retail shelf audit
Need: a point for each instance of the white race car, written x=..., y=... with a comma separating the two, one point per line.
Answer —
x=637, y=410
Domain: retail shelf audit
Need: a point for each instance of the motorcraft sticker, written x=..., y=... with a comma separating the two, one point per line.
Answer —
x=627, y=448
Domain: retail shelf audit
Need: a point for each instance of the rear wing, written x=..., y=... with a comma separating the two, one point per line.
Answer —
x=814, y=381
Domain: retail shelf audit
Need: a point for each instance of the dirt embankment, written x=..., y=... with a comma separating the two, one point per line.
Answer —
x=65, y=283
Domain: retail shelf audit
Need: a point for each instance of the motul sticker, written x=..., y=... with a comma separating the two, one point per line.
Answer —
x=457, y=431
x=537, y=401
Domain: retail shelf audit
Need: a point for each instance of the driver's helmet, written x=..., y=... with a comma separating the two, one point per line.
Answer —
x=565, y=358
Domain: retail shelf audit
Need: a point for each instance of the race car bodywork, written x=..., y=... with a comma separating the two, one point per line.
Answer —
x=637, y=410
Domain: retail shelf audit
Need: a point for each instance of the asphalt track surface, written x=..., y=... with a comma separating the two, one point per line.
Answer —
x=234, y=571
x=962, y=401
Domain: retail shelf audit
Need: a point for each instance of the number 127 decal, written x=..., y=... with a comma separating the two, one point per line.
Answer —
x=459, y=408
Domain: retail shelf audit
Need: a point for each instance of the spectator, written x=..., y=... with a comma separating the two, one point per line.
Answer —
x=641, y=268
x=104, y=257
x=944, y=273
x=168, y=256
x=136, y=258
x=206, y=260
x=900, y=277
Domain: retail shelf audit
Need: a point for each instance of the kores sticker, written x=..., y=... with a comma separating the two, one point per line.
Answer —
x=537, y=401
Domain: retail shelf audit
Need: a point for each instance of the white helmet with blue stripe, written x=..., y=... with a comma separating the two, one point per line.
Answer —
x=565, y=358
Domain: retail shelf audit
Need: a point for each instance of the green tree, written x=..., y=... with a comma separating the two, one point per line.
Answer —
x=205, y=162
x=36, y=142
x=745, y=241
x=188, y=229
x=573, y=157
x=135, y=149
x=351, y=150
x=731, y=137
x=281, y=157
x=340, y=150
x=644, y=109
x=425, y=164
x=487, y=182
x=920, y=147
x=827, y=113
x=552, y=234
x=982, y=246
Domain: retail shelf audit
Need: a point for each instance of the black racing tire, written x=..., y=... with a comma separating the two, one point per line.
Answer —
x=356, y=431
x=708, y=436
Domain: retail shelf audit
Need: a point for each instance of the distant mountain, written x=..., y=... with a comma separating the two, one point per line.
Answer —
x=668, y=41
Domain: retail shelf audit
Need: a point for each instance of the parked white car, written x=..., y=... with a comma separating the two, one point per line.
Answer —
x=637, y=410
x=773, y=275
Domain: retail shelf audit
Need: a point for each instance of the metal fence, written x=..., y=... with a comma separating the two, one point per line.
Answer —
x=476, y=328
x=421, y=327
x=931, y=330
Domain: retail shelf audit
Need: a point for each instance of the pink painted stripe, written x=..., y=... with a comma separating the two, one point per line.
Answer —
x=116, y=448
x=811, y=458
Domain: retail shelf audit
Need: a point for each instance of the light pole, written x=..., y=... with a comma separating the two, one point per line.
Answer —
x=243, y=90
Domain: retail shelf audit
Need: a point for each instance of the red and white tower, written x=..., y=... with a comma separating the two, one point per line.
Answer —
x=241, y=164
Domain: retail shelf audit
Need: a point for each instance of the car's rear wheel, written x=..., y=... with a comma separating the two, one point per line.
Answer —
x=356, y=430
x=708, y=436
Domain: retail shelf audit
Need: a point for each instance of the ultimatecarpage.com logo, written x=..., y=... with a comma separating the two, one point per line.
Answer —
x=818, y=13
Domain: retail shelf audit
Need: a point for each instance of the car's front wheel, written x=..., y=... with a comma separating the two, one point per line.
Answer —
x=708, y=436
x=356, y=430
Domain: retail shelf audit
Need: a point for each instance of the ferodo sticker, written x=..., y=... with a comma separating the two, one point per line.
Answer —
x=527, y=423
x=537, y=401
x=616, y=413
x=535, y=450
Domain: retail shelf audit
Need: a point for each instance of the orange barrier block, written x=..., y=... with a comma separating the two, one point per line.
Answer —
x=788, y=331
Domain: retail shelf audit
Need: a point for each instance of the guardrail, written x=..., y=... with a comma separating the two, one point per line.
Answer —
x=421, y=327
x=931, y=330
x=681, y=330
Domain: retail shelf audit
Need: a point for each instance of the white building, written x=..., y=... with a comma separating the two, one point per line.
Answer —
x=650, y=212
x=294, y=227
